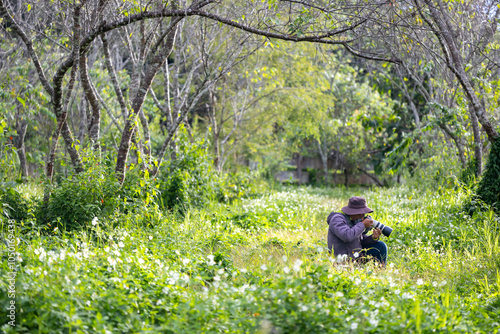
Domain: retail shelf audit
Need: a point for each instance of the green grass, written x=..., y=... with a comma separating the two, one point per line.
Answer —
x=261, y=266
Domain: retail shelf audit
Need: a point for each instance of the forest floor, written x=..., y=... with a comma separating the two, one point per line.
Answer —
x=260, y=265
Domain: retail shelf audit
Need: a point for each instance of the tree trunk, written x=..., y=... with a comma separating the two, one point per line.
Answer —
x=324, y=159
x=478, y=149
x=88, y=88
x=346, y=178
x=154, y=66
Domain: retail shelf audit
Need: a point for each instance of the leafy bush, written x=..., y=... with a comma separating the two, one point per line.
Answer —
x=489, y=186
x=95, y=192
x=240, y=185
x=12, y=203
x=468, y=174
x=189, y=179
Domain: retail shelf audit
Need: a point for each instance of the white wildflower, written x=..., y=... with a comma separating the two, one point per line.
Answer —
x=286, y=270
x=341, y=258
x=111, y=261
x=373, y=322
x=263, y=267
x=420, y=281
x=95, y=221
x=211, y=261
x=339, y=294
x=354, y=326
x=407, y=295
x=185, y=261
x=121, y=244
x=296, y=265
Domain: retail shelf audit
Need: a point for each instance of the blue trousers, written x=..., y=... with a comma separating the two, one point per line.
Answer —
x=378, y=251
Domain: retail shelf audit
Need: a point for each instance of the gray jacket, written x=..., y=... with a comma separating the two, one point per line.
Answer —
x=346, y=237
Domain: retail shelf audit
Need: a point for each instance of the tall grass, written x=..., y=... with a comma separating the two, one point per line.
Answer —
x=261, y=265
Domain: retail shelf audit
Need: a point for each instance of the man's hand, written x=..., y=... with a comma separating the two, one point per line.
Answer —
x=367, y=222
x=376, y=233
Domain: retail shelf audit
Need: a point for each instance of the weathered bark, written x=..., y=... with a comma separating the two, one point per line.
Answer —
x=60, y=111
x=154, y=65
x=112, y=75
x=83, y=116
x=62, y=126
x=88, y=88
x=478, y=145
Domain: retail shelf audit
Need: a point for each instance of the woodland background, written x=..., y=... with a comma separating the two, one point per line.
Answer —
x=155, y=120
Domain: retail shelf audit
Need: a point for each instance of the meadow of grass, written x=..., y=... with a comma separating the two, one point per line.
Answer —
x=261, y=265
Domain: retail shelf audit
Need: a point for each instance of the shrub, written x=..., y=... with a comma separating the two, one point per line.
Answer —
x=95, y=192
x=240, y=185
x=489, y=186
x=189, y=180
x=12, y=203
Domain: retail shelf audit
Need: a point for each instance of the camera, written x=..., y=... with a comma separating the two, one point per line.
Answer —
x=386, y=230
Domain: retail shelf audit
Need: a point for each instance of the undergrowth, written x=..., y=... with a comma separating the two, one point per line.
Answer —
x=260, y=264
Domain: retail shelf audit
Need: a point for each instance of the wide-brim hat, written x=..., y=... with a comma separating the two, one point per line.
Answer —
x=356, y=206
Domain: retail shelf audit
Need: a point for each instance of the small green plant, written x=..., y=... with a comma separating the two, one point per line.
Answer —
x=189, y=179
x=489, y=186
x=12, y=203
x=76, y=200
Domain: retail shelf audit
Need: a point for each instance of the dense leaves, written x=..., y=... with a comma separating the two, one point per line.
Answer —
x=489, y=186
x=260, y=265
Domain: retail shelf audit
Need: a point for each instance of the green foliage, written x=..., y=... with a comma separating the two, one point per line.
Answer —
x=76, y=200
x=12, y=204
x=240, y=185
x=188, y=179
x=489, y=185
x=468, y=174
x=213, y=271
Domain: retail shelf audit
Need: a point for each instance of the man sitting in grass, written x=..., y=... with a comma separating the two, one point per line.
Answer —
x=347, y=232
